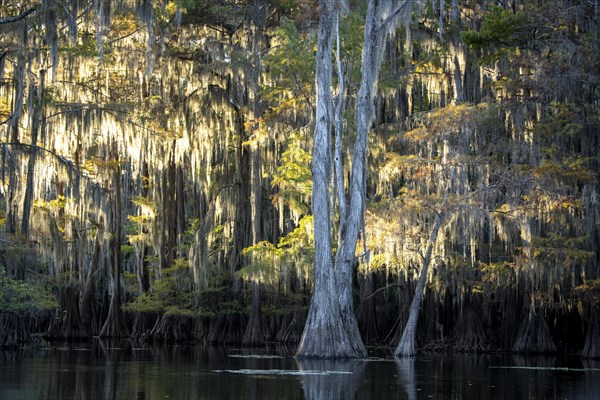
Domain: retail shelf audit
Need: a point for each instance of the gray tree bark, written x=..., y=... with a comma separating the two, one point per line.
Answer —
x=459, y=94
x=442, y=5
x=406, y=347
x=345, y=258
x=339, y=126
x=331, y=329
x=324, y=336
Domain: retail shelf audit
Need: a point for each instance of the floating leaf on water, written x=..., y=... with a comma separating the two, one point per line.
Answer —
x=266, y=356
x=546, y=368
x=281, y=372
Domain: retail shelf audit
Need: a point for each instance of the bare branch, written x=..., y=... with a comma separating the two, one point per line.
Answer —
x=379, y=290
x=19, y=17
x=393, y=15
x=62, y=159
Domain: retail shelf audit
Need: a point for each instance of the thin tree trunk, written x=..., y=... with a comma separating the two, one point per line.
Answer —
x=12, y=135
x=345, y=258
x=115, y=325
x=143, y=275
x=459, y=95
x=406, y=347
x=37, y=124
x=254, y=331
x=180, y=207
x=441, y=20
x=168, y=238
x=459, y=91
x=339, y=125
x=86, y=303
x=292, y=331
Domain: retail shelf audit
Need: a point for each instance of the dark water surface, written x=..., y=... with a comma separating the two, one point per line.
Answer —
x=98, y=370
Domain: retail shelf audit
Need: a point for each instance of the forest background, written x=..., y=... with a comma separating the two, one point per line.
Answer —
x=156, y=171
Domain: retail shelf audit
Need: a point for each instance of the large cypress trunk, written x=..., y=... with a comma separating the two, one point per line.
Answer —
x=367, y=313
x=227, y=328
x=324, y=336
x=533, y=335
x=509, y=310
x=340, y=280
x=169, y=329
x=469, y=333
x=142, y=326
x=13, y=331
x=291, y=331
x=69, y=326
x=324, y=333
x=254, y=334
x=591, y=349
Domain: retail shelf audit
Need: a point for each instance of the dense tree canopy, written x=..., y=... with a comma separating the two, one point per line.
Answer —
x=157, y=170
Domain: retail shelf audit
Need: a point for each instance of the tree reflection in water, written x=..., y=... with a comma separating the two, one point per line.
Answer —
x=406, y=377
x=330, y=379
x=124, y=370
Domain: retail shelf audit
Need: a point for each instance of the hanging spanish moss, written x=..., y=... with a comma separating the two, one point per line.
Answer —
x=156, y=173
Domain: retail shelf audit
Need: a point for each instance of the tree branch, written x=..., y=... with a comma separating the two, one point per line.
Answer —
x=392, y=15
x=19, y=17
x=63, y=160
x=379, y=290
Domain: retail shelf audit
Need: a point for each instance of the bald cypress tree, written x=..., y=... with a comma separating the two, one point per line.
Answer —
x=331, y=329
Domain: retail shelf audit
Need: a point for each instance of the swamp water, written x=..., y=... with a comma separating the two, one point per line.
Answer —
x=99, y=370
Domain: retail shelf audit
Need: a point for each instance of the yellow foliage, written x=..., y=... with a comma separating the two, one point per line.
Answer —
x=145, y=203
x=428, y=67
x=123, y=25
x=52, y=205
x=450, y=120
x=105, y=165
x=171, y=8
x=572, y=171
x=5, y=109
x=140, y=238
x=139, y=219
